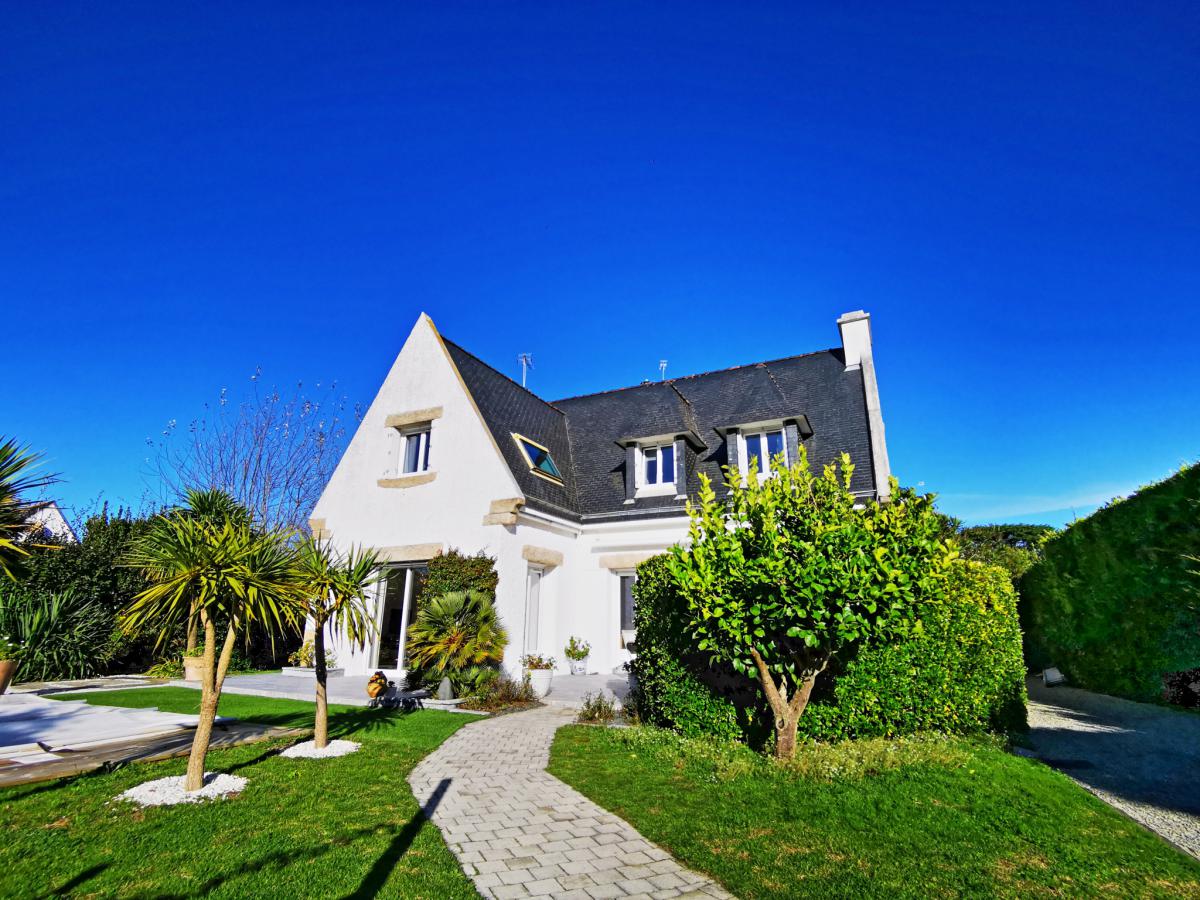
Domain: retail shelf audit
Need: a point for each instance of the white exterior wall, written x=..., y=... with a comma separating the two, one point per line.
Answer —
x=580, y=597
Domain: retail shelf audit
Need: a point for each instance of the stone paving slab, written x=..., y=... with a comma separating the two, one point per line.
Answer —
x=520, y=832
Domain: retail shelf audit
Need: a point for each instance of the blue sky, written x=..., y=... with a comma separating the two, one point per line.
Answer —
x=193, y=191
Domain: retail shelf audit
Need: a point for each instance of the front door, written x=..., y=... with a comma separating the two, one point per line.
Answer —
x=533, y=608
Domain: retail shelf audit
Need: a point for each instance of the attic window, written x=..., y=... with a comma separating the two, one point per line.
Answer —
x=539, y=458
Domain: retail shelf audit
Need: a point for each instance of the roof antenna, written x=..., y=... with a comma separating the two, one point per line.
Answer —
x=662, y=369
x=526, y=361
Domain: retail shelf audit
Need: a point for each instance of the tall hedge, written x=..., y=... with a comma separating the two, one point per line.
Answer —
x=1113, y=601
x=962, y=673
x=454, y=571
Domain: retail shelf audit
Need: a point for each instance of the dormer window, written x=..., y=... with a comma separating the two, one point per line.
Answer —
x=656, y=473
x=540, y=461
x=414, y=451
x=758, y=448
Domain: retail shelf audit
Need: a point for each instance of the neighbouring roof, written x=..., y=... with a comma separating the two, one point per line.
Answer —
x=584, y=433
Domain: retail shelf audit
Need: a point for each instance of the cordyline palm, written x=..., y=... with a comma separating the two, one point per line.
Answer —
x=217, y=569
x=216, y=506
x=336, y=592
x=456, y=631
x=17, y=480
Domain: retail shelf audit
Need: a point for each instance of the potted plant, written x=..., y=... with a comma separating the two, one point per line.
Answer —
x=304, y=662
x=10, y=657
x=577, y=651
x=193, y=663
x=540, y=671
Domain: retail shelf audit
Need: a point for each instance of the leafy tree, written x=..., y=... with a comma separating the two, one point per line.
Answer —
x=17, y=481
x=457, y=634
x=335, y=590
x=216, y=570
x=787, y=571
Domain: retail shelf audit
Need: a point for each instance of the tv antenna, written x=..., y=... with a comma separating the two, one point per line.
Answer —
x=526, y=361
x=662, y=369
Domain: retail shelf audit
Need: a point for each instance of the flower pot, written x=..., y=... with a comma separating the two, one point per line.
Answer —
x=193, y=668
x=8, y=668
x=579, y=666
x=539, y=680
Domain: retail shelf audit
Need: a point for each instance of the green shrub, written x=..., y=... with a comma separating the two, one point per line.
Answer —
x=1112, y=602
x=597, y=708
x=452, y=572
x=456, y=635
x=961, y=671
x=669, y=691
x=60, y=636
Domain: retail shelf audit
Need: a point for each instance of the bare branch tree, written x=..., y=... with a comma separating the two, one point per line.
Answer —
x=273, y=453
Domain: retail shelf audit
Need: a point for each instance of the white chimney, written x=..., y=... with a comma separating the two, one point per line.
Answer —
x=856, y=337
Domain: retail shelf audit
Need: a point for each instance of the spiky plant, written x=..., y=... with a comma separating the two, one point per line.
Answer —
x=18, y=479
x=217, y=569
x=336, y=589
x=454, y=635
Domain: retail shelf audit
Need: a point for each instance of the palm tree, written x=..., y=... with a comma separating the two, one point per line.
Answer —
x=211, y=505
x=219, y=569
x=17, y=481
x=456, y=634
x=335, y=591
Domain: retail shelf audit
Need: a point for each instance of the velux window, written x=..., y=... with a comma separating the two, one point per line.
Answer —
x=539, y=458
x=414, y=449
x=760, y=448
x=658, y=465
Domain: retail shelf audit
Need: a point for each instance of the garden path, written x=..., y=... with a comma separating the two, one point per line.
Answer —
x=520, y=832
x=1140, y=758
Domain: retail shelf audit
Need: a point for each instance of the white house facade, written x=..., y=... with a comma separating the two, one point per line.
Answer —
x=570, y=495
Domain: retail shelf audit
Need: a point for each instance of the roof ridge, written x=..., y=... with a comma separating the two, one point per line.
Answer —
x=671, y=381
x=492, y=368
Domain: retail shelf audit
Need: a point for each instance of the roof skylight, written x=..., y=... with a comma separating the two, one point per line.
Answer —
x=539, y=458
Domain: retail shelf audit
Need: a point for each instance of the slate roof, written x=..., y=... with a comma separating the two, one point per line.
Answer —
x=583, y=433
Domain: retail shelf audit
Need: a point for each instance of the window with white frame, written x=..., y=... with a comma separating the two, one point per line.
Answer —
x=414, y=449
x=656, y=471
x=759, y=448
x=626, y=580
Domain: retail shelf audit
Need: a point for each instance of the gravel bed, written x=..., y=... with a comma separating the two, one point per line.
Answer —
x=308, y=750
x=169, y=791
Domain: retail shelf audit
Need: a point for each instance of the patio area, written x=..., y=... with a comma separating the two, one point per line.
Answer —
x=565, y=691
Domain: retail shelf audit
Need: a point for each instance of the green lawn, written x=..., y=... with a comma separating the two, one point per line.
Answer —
x=346, y=827
x=929, y=817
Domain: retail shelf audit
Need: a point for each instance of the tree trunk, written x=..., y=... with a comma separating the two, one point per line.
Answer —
x=193, y=627
x=786, y=712
x=208, y=710
x=210, y=698
x=321, y=731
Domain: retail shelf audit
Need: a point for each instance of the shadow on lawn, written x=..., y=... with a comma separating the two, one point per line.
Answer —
x=372, y=882
x=83, y=877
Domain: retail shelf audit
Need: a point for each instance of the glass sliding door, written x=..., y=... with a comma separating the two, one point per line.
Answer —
x=402, y=590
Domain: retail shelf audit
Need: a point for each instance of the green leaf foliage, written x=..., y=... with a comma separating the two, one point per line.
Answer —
x=457, y=635
x=795, y=568
x=958, y=671
x=453, y=571
x=61, y=635
x=1113, y=600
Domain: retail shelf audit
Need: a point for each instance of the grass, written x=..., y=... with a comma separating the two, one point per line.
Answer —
x=346, y=827
x=920, y=817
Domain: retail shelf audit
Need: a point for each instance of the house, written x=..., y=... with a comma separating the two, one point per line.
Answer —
x=48, y=522
x=570, y=495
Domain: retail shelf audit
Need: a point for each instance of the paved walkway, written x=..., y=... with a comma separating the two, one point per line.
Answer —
x=1142, y=759
x=520, y=832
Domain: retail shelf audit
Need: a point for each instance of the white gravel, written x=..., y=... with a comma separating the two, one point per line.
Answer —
x=308, y=750
x=169, y=791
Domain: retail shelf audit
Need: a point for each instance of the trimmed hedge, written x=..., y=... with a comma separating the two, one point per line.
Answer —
x=962, y=673
x=1113, y=601
x=453, y=571
x=669, y=692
